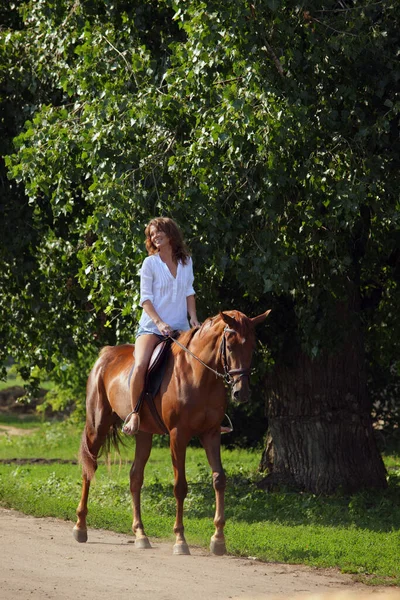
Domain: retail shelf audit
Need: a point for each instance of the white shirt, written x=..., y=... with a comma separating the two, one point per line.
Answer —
x=167, y=293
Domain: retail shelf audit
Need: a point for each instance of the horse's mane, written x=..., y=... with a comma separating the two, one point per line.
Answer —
x=185, y=338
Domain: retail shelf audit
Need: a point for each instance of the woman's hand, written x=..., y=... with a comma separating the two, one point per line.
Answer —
x=191, y=310
x=164, y=328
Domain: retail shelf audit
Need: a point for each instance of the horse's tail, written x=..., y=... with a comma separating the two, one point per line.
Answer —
x=88, y=460
x=101, y=431
x=114, y=439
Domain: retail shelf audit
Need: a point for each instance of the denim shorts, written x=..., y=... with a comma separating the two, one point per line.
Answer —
x=143, y=331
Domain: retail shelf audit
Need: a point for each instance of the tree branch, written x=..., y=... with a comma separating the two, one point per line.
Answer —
x=274, y=58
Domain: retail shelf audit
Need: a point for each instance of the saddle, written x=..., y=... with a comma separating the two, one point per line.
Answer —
x=154, y=376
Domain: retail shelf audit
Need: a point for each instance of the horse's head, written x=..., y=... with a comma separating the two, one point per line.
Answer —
x=237, y=345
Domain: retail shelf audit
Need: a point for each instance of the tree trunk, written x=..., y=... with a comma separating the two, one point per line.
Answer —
x=320, y=436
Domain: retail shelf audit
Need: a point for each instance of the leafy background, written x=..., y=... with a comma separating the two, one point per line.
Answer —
x=269, y=130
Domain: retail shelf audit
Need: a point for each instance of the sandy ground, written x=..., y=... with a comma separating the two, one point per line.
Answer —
x=10, y=430
x=40, y=559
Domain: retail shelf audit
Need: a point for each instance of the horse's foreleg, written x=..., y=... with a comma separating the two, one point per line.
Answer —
x=142, y=453
x=178, y=447
x=212, y=445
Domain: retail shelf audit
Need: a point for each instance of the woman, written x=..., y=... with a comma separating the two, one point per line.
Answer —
x=167, y=298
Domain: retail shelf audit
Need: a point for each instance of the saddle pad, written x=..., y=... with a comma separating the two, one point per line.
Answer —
x=156, y=370
x=158, y=355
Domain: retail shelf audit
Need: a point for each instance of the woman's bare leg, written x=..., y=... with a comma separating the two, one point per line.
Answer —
x=144, y=347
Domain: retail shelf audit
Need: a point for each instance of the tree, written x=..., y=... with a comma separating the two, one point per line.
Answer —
x=269, y=130
x=48, y=277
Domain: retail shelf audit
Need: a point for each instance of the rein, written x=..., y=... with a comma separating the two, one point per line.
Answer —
x=228, y=373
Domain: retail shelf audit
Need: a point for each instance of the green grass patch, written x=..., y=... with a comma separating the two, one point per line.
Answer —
x=13, y=379
x=358, y=534
x=20, y=421
x=49, y=440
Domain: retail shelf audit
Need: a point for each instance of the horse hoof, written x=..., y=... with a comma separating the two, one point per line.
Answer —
x=80, y=535
x=142, y=543
x=182, y=549
x=217, y=547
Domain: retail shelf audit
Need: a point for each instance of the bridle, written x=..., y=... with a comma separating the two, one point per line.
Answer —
x=230, y=376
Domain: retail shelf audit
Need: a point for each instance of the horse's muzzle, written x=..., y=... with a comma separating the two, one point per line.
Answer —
x=240, y=390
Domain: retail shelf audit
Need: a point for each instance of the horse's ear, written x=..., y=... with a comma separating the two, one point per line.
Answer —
x=257, y=320
x=230, y=321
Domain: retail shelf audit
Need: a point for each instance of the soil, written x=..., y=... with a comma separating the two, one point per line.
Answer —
x=10, y=430
x=41, y=560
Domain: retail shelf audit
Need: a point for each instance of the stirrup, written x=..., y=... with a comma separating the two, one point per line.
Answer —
x=127, y=419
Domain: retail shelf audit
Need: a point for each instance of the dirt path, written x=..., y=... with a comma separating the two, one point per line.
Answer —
x=41, y=560
x=10, y=430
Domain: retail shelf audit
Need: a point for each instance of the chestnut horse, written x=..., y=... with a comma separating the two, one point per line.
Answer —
x=191, y=402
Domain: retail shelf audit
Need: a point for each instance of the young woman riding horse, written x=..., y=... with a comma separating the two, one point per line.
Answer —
x=192, y=398
x=191, y=402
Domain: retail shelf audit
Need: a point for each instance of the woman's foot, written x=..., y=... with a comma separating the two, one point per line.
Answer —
x=131, y=424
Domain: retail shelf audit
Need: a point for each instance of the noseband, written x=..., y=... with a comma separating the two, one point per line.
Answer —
x=231, y=376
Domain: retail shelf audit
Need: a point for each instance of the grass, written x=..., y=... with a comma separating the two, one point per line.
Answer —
x=14, y=379
x=49, y=440
x=20, y=421
x=358, y=534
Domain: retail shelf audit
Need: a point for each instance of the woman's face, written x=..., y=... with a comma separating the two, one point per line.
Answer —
x=158, y=238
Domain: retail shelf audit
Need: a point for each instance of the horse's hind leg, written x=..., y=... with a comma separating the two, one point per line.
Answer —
x=212, y=445
x=142, y=452
x=80, y=529
x=93, y=438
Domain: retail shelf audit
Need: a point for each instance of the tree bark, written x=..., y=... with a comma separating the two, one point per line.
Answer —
x=320, y=437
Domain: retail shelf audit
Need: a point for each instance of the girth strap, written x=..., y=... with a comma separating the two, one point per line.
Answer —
x=156, y=415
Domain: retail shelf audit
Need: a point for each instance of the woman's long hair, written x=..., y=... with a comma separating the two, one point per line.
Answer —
x=170, y=228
